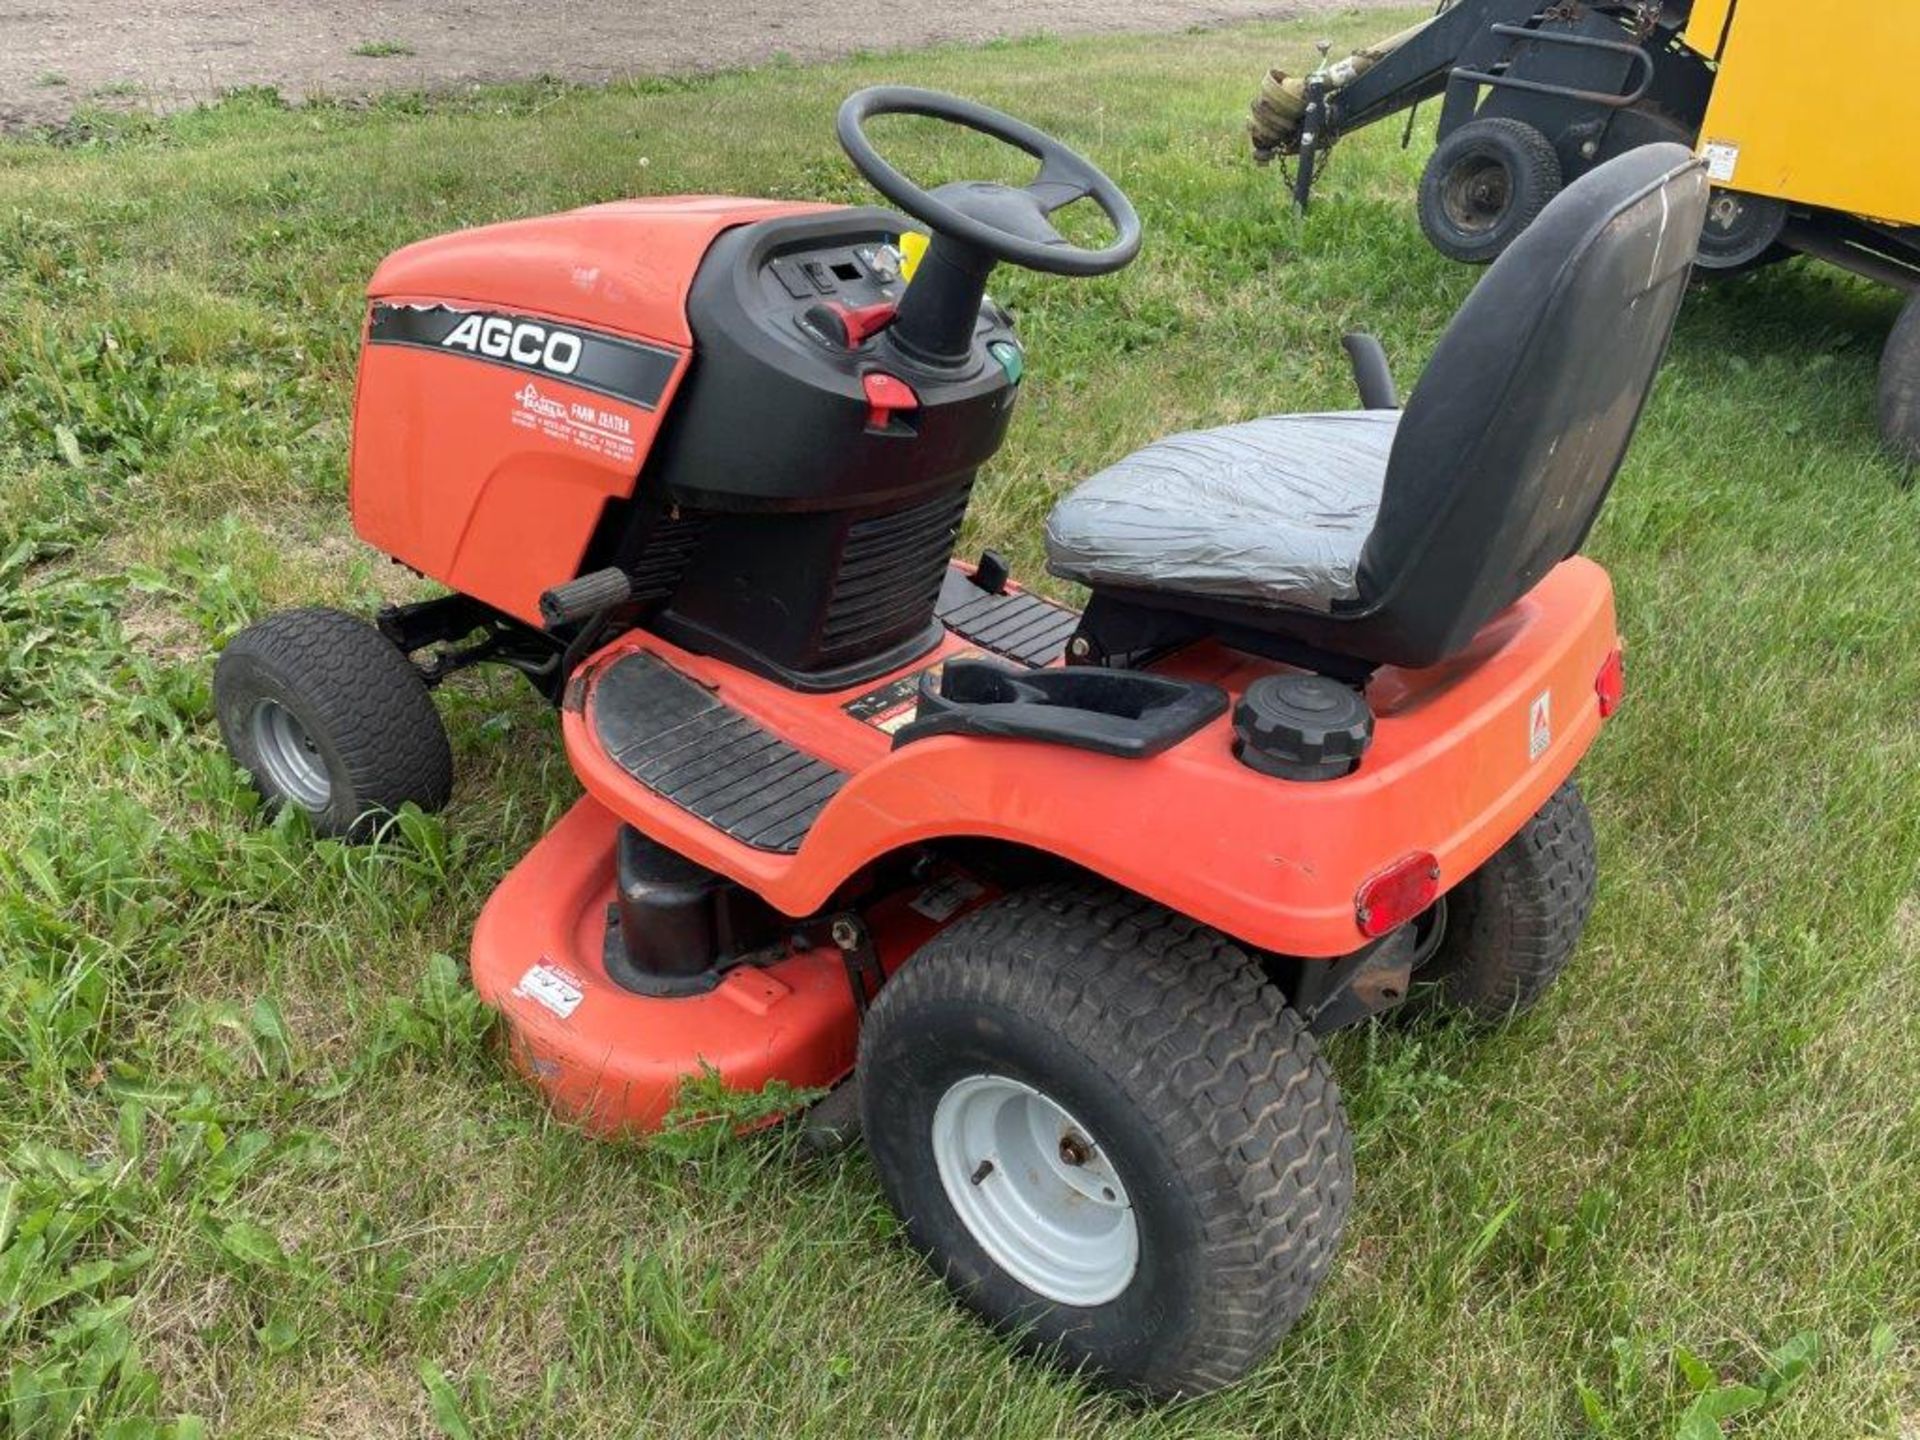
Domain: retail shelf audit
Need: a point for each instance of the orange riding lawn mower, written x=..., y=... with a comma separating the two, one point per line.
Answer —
x=1050, y=903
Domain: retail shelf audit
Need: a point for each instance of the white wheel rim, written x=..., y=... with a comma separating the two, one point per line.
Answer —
x=290, y=757
x=1036, y=1190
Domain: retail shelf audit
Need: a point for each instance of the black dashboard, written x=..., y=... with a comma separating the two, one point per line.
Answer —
x=789, y=318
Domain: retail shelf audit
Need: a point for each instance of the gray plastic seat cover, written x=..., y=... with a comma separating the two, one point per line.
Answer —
x=1272, y=511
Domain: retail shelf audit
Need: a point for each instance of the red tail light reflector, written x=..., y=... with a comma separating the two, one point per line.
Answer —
x=1397, y=894
x=1611, y=683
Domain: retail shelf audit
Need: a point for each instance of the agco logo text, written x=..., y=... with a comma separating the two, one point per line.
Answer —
x=522, y=342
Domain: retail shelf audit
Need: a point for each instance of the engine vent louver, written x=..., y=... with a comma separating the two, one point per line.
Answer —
x=889, y=576
x=663, y=560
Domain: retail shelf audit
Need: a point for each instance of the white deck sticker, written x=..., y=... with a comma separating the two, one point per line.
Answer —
x=550, y=986
x=941, y=899
x=1722, y=159
x=1540, y=725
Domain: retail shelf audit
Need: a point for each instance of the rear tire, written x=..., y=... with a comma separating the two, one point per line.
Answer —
x=1211, y=1137
x=1900, y=385
x=1514, y=923
x=325, y=713
x=1483, y=185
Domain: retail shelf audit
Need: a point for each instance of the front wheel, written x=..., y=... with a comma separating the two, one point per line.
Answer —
x=1109, y=1134
x=325, y=713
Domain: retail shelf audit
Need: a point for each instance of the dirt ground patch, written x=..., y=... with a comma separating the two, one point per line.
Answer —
x=56, y=55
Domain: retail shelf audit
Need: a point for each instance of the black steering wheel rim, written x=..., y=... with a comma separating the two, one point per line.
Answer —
x=1065, y=176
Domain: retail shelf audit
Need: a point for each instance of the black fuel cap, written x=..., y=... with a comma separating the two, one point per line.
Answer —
x=1301, y=727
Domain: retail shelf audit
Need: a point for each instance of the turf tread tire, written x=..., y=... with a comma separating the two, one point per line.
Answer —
x=359, y=698
x=1185, y=1029
x=1514, y=923
x=1533, y=167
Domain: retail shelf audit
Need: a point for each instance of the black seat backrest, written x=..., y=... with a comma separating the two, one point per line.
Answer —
x=1512, y=437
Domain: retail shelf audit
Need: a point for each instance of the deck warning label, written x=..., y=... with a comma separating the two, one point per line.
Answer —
x=551, y=988
x=890, y=706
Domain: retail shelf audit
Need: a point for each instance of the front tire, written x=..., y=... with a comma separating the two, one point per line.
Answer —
x=325, y=713
x=1484, y=184
x=1157, y=1131
x=1514, y=923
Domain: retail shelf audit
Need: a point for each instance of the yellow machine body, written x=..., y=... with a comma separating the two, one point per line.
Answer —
x=1823, y=116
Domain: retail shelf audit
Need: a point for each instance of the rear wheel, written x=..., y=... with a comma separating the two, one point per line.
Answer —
x=1483, y=185
x=325, y=713
x=1109, y=1134
x=1513, y=924
x=1900, y=385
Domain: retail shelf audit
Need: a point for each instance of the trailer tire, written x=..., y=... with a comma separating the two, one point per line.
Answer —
x=1513, y=924
x=1741, y=234
x=324, y=712
x=1484, y=184
x=1900, y=385
x=1209, y=1127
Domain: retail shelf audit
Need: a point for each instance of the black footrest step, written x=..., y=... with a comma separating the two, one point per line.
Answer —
x=1021, y=627
x=686, y=745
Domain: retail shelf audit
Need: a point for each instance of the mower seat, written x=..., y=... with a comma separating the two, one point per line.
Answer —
x=1273, y=511
x=1391, y=537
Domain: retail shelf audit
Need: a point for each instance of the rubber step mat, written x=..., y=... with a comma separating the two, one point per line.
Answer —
x=1019, y=626
x=687, y=746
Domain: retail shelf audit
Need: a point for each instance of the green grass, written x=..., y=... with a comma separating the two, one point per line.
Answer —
x=381, y=49
x=260, y=1160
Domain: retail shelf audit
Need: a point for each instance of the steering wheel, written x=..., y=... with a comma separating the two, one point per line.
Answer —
x=1003, y=221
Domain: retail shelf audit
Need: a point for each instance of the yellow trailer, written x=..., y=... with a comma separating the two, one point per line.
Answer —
x=1807, y=116
x=1847, y=144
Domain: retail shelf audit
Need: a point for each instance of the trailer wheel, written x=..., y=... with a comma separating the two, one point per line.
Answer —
x=1484, y=184
x=1109, y=1134
x=325, y=713
x=1900, y=385
x=1513, y=924
x=1742, y=233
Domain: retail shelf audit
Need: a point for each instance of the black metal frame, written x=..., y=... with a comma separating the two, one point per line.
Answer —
x=1334, y=994
x=1579, y=67
x=1120, y=634
x=1889, y=254
x=539, y=656
x=1461, y=74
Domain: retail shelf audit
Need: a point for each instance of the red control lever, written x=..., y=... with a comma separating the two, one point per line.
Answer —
x=866, y=320
x=886, y=394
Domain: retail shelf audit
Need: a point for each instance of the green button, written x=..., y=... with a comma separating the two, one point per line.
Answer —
x=1011, y=359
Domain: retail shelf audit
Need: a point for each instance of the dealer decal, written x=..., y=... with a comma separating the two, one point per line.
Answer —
x=581, y=424
x=605, y=364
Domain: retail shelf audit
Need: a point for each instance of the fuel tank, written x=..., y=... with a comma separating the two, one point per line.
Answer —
x=513, y=379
